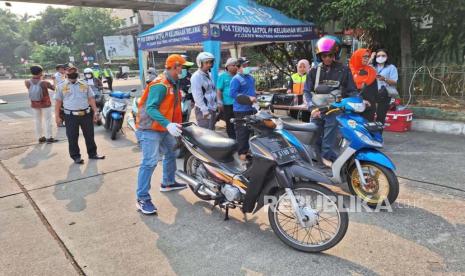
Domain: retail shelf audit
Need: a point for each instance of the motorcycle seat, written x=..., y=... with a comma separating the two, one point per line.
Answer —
x=306, y=127
x=215, y=145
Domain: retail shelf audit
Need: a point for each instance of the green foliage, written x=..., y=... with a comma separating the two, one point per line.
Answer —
x=54, y=35
x=51, y=29
x=382, y=21
x=50, y=56
x=90, y=25
x=9, y=37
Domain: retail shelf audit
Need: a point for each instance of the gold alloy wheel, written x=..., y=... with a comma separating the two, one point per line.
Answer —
x=377, y=187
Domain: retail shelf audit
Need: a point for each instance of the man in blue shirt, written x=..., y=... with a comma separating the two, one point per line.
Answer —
x=243, y=83
x=225, y=102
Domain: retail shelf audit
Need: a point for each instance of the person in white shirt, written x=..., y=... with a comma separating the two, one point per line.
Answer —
x=203, y=91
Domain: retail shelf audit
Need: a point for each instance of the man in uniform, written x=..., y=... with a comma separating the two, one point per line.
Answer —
x=108, y=74
x=77, y=99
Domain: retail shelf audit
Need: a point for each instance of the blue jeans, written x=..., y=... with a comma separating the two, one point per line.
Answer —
x=152, y=143
x=327, y=136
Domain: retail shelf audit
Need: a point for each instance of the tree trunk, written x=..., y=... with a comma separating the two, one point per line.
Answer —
x=406, y=52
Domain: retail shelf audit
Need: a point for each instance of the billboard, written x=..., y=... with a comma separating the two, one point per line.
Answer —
x=119, y=47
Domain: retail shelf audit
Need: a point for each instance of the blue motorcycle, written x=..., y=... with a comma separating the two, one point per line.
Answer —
x=114, y=110
x=368, y=172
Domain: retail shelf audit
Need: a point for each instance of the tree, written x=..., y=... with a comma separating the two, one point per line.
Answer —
x=50, y=56
x=391, y=24
x=9, y=37
x=50, y=28
x=90, y=25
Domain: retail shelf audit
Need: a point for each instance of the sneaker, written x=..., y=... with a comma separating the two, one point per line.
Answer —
x=42, y=140
x=172, y=187
x=51, y=140
x=146, y=207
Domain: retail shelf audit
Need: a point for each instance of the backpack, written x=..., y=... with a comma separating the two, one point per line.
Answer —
x=35, y=91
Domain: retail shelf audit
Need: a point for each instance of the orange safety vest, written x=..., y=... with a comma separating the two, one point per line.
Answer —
x=170, y=107
x=298, y=82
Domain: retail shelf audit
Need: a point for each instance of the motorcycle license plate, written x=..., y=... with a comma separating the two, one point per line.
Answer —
x=285, y=155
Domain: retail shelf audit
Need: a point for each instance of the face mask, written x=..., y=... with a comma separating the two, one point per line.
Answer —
x=183, y=74
x=73, y=76
x=88, y=76
x=381, y=59
x=246, y=71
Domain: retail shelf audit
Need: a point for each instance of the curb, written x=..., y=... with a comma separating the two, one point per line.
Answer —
x=445, y=127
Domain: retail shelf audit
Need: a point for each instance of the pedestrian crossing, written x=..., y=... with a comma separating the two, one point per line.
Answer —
x=9, y=116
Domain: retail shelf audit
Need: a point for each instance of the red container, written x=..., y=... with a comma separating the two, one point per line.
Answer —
x=399, y=120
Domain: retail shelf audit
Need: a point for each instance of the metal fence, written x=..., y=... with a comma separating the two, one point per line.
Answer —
x=433, y=85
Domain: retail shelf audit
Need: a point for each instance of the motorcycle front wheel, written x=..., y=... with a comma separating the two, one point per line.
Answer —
x=115, y=127
x=382, y=186
x=326, y=219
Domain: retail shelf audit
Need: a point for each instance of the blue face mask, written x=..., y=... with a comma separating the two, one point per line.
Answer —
x=246, y=71
x=183, y=74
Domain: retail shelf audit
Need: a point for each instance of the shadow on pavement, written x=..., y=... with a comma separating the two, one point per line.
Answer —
x=39, y=152
x=75, y=191
x=425, y=229
x=199, y=242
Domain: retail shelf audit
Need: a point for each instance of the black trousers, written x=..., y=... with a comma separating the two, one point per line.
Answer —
x=228, y=114
x=242, y=132
x=86, y=124
x=382, y=105
x=110, y=83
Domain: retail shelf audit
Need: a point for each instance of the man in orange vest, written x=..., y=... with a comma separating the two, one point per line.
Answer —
x=158, y=122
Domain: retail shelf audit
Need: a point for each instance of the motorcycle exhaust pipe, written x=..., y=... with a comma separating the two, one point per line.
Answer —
x=193, y=183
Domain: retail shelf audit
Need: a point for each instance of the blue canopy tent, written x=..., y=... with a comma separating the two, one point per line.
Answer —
x=214, y=24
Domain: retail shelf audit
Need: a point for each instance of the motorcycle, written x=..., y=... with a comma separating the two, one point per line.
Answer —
x=114, y=110
x=213, y=171
x=368, y=172
x=99, y=102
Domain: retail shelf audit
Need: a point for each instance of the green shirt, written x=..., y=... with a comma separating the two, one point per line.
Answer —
x=223, y=84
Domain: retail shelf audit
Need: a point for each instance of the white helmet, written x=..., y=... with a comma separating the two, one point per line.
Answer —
x=88, y=70
x=204, y=56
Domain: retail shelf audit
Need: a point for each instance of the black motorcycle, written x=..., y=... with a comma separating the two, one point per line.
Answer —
x=304, y=215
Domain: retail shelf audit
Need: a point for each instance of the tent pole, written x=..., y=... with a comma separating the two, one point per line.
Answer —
x=142, y=67
x=214, y=47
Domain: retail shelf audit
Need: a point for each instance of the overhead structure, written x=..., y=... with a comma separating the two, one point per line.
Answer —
x=151, y=5
x=216, y=24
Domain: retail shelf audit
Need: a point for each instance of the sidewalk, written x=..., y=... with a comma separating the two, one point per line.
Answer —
x=92, y=210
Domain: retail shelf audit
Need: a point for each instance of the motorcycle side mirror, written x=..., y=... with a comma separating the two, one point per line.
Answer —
x=244, y=99
x=133, y=90
x=323, y=89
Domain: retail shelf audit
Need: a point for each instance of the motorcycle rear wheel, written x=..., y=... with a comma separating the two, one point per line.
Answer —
x=191, y=167
x=382, y=184
x=315, y=197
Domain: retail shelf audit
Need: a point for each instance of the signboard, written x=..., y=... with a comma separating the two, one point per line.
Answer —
x=225, y=32
x=119, y=47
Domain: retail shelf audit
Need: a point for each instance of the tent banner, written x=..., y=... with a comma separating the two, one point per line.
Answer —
x=188, y=35
x=225, y=32
x=251, y=33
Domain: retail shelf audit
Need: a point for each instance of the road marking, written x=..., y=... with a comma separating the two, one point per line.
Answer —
x=23, y=114
x=3, y=117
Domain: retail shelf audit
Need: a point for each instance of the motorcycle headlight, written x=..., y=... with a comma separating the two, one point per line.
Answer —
x=367, y=140
x=117, y=105
x=357, y=107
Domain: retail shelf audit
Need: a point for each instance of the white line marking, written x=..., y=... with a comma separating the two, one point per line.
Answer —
x=3, y=117
x=23, y=114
